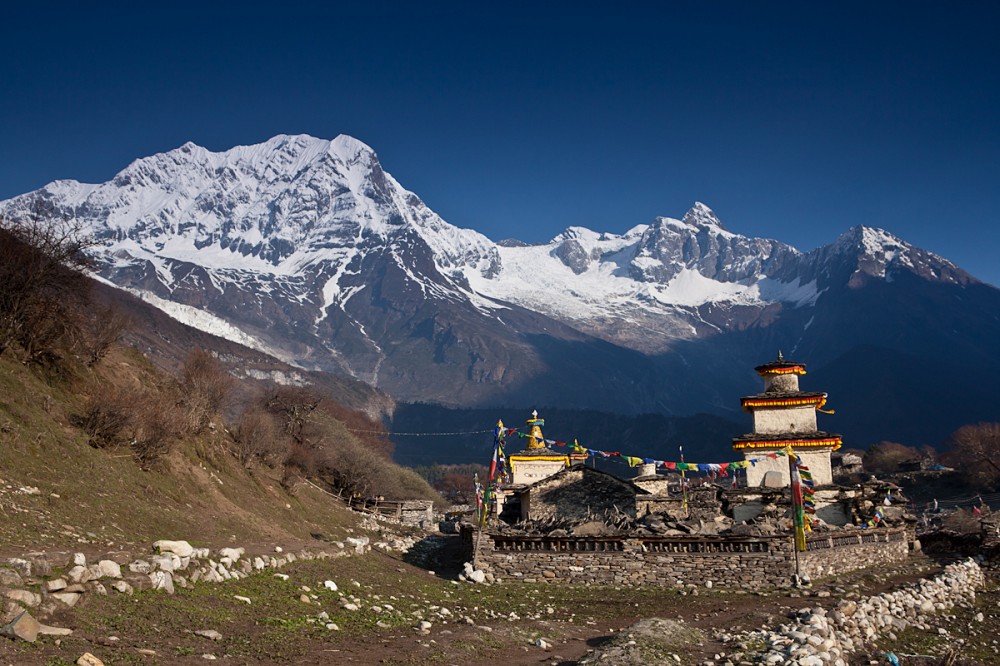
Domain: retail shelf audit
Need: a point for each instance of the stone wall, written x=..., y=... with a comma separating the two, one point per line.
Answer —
x=751, y=563
x=816, y=636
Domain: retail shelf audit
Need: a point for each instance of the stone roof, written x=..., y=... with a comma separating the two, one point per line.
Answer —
x=586, y=470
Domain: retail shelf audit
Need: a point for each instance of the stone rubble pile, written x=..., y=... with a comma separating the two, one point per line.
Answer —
x=817, y=637
x=27, y=585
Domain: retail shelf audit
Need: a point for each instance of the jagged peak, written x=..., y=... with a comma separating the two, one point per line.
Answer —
x=870, y=240
x=346, y=145
x=577, y=233
x=701, y=215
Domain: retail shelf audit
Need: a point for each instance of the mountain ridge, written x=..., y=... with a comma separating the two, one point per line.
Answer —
x=311, y=251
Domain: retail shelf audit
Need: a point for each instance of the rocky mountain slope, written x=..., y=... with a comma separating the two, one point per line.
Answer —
x=308, y=250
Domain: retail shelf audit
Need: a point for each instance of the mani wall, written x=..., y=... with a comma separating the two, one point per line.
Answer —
x=750, y=563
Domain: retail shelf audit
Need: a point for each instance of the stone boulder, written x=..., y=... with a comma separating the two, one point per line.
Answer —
x=179, y=548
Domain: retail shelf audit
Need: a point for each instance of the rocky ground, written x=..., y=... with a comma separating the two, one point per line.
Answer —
x=385, y=596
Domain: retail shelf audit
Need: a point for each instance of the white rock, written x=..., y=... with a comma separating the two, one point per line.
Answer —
x=163, y=562
x=140, y=566
x=79, y=560
x=233, y=554
x=55, y=585
x=210, y=634
x=68, y=598
x=24, y=597
x=179, y=548
x=79, y=574
x=109, y=569
x=330, y=585
x=162, y=580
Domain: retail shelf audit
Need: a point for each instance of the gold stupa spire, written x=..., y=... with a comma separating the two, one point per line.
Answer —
x=536, y=440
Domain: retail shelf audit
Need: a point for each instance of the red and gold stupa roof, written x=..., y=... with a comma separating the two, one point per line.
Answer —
x=789, y=399
x=780, y=367
x=810, y=440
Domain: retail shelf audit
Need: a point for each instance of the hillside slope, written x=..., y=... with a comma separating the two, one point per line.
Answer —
x=57, y=491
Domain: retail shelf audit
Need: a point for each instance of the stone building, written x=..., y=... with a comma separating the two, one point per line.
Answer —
x=578, y=493
x=533, y=464
x=784, y=416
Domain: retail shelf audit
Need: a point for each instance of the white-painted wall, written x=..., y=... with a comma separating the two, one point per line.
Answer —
x=817, y=460
x=531, y=471
x=774, y=420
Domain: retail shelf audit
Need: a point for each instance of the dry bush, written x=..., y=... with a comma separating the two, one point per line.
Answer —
x=886, y=457
x=108, y=419
x=143, y=421
x=353, y=468
x=407, y=484
x=154, y=432
x=976, y=452
x=372, y=433
x=42, y=291
x=207, y=386
x=256, y=437
x=294, y=408
x=104, y=329
x=319, y=439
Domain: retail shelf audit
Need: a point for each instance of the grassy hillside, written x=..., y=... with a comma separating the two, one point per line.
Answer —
x=58, y=490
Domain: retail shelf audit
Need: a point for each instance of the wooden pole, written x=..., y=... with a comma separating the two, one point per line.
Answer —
x=684, y=486
x=475, y=552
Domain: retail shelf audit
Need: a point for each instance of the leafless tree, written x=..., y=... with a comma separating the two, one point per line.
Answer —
x=41, y=287
x=106, y=328
x=977, y=454
x=256, y=436
x=294, y=406
x=207, y=385
x=886, y=457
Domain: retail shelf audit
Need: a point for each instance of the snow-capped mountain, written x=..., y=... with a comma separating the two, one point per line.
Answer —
x=305, y=248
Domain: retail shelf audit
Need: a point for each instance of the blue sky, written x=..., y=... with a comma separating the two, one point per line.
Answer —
x=793, y=121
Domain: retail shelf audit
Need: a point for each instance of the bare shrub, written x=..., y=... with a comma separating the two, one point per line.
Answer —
x=142, y=421
x=41, y=287
x=372, y=433
x=108, y=419
x=294, y=407
x=154, y=431
x=976, y=451
x=105, y=328
x=353, y=468
x=207, y=385
x=886, y=457
x=256, y=437
x=405, y=484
